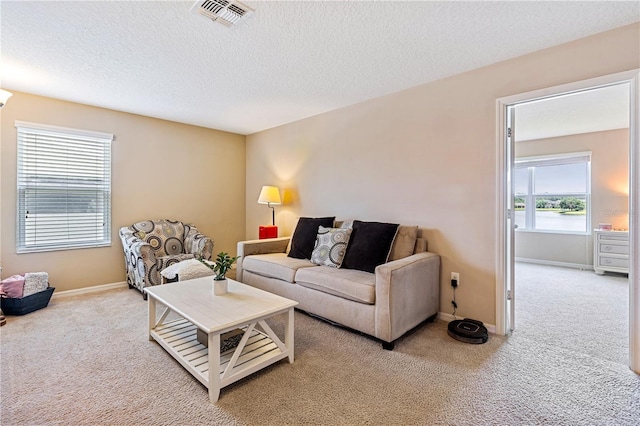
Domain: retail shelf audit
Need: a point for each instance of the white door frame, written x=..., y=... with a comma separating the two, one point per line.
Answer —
x=503, y=233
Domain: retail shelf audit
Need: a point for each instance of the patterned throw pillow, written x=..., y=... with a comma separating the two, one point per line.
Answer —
x=331, y=245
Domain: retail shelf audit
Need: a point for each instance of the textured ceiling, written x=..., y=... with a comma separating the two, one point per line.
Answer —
x=287, y=61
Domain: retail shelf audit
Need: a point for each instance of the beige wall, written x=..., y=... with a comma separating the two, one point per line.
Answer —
x=609, y=194
x=160, y=169
x=424, y=156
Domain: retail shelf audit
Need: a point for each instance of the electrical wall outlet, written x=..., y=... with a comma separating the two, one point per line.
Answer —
x=455, y=276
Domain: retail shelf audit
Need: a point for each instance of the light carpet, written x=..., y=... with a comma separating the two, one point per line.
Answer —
x=572, y=309
x=86, y=360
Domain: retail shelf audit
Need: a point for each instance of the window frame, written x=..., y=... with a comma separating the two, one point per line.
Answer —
x=530, y=163
x=94, y=178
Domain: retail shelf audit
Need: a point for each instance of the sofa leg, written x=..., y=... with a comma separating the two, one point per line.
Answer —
x=144, y=295
x=388, y=346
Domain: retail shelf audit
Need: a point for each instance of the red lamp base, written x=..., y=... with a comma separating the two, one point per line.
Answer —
x=268, y=231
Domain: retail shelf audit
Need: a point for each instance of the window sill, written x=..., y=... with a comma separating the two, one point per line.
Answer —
x=45, y=249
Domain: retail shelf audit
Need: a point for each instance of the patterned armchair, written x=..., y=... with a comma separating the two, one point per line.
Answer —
x=152, y=245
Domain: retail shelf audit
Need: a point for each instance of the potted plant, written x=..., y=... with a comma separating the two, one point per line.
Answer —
x=220, y=267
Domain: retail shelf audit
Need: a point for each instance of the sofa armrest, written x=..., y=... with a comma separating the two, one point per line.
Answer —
x=407, y=293
x=269, y=245
x=266, y=246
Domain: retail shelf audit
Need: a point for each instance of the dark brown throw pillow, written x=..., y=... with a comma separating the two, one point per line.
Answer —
x=369, y=245
x=304, y=236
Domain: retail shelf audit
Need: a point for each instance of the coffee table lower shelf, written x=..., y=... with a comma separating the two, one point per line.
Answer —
x=258, y=350
x=191, y=308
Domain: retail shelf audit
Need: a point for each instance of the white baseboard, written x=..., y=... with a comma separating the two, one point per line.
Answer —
x=448, y=318
x=87, y=290
x=554, y=263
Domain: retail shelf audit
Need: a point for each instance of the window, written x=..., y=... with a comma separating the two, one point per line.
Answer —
x=64, y=188
x=552, y=194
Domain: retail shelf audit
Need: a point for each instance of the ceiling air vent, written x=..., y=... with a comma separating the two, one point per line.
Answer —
x=226, y=12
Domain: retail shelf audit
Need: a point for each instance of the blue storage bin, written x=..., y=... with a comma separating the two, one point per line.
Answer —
x=27, y=304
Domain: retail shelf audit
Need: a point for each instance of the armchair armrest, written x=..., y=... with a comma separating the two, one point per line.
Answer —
x=198, y=244
x=407, y=293
x=266, y=246
x=141, y=251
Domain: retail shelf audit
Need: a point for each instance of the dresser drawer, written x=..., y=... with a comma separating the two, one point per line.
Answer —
x=610, y=251
x=614, y=248
x=614, y=238
x=615, y=262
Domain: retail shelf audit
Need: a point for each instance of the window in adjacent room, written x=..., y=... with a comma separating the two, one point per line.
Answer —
x=552, y=193
x=64, y=188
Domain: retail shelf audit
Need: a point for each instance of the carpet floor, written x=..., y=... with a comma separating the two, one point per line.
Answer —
x=86, y=360
x=575, y=310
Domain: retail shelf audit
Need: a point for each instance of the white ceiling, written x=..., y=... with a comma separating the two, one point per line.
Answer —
x=287, y=61
x=605, y=108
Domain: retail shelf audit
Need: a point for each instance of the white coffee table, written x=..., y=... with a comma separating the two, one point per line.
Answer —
x=242, y=307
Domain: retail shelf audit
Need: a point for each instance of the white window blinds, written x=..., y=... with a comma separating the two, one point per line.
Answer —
x=64, y=188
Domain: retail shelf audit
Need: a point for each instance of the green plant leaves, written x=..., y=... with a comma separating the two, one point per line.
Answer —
x=221, y=265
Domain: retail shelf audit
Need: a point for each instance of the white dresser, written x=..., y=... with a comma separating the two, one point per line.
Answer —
x=610, y=251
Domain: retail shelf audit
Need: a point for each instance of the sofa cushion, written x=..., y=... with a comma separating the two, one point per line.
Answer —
x=304, y=236
x=275, y=265
x=370, y=245
x=347, y=283
x=331, y=245
x=344, y=224
x=404, y=244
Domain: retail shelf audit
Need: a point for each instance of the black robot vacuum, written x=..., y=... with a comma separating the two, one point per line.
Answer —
x=468, y=331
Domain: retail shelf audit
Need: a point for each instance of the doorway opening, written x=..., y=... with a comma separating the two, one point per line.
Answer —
x=576, y=242
x=571, y=176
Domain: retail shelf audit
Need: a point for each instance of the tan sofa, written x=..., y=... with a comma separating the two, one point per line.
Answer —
x=397, y=297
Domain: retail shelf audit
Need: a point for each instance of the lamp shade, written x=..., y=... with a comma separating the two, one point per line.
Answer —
x=269, y=195
x=4, y=95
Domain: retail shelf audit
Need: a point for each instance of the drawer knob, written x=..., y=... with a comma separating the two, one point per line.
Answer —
x=606, y=248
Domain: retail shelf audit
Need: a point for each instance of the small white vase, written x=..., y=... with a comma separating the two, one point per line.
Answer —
x=220, y=287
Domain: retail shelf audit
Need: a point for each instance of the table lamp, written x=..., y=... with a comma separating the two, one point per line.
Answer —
x=269, y=195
